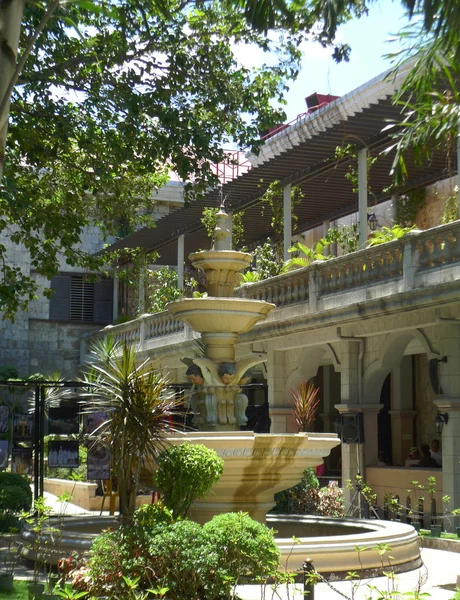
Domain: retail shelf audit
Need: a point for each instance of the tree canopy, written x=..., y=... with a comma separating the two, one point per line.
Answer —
x=114, y=96
x=108, y=97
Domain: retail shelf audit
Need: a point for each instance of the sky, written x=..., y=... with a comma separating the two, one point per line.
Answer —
x=368, y=39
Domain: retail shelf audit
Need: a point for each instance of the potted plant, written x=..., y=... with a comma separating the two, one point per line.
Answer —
x=436, y=519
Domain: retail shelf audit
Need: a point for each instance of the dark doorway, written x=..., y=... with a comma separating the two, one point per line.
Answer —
x=384, y=423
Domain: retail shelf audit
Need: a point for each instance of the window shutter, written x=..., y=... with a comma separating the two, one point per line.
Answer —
x=60, y=300
x=103, y=301
x=82, y=299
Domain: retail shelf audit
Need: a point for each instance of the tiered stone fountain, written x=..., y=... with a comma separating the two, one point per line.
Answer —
x=256, y=465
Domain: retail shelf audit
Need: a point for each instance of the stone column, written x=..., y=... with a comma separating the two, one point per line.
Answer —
x=362, y=195
x=141, y=293
x=279, y=412
x=449, y=402
x=352, y=454
x=116, y=287
x=287, y=204
x=180, y=261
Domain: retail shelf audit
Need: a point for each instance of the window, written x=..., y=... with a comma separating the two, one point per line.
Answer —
x=77, y=300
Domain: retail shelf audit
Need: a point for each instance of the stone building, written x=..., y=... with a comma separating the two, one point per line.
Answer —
x=379, y=329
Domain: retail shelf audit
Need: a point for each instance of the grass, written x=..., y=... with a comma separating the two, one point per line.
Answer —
x=19, y=592
x=444, y=535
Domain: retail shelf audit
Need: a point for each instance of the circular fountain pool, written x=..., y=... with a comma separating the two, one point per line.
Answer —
x=330, y=542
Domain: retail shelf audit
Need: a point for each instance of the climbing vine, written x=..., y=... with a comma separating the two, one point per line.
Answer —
x=408, y=205
x=273, y=199
x=350, y=151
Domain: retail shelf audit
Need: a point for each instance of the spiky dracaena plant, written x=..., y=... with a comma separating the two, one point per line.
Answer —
x=305, y=401
x=138, y=403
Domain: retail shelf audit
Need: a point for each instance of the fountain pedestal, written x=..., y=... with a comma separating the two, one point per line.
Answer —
x=256, y=466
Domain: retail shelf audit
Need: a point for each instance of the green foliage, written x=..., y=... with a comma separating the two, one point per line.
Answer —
x=388, y=234
x=305, y=256
x=272, y=201
x=300, y=499
x=22, y=490
x=429, y=96
x=246, y=546
x=307, y=498
x=345, y=236
x=186, y=473
x=103, y=116
x=350, y=152
x=13, y=499
x=268, y=263
x=451, y=209
x=191, y=561
x=8, y=373
x=162, y=287
x=209, y=221
x=408, y=205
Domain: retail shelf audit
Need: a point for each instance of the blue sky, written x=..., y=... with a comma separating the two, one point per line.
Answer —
x=367, y=37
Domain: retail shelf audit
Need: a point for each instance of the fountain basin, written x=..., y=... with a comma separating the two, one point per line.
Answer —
x=220, y=315
x=329, y=542
x=256, y=467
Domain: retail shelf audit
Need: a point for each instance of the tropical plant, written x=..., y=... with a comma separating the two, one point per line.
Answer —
x=387, y=234
x=305, y=256
x=305, y=400
x=345, y=236
x=267, y=263
x=186, y=473
x=429, y=96
x=139, y=404
x=52, y=395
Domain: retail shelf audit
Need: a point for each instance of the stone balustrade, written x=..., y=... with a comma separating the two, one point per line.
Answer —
x=417, y=260
x=404, y=260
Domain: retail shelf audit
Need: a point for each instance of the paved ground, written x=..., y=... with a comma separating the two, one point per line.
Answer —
x=440, y=569
x=437, y=577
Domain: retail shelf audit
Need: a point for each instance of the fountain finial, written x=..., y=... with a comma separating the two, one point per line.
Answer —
x=222, y=232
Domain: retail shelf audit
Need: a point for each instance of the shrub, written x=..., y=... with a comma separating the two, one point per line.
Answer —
x=18, y=482
x=13, y=499
x=193, y=562
x=302, y=499
x=185, y=473
x=9, y=523
x=244, y=546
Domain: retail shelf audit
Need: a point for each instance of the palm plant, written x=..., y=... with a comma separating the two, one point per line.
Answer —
x=138, y=403
x=305, y=401
x=304, y=256
x=388, y=234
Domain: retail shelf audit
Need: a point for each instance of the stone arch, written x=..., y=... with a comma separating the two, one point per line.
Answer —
x=390, y=356
x=310, y=360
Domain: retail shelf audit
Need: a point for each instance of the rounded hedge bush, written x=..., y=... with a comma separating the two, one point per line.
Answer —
x=186, y=473
x=23, y=497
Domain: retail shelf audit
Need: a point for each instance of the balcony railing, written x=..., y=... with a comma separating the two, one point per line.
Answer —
x=407, y=261
x=417, y=260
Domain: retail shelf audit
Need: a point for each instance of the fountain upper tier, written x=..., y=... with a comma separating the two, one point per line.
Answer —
x=221, y=316
x=222, y=269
